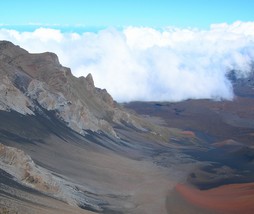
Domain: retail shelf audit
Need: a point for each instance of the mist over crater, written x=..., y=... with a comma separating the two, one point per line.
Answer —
x=141, y=63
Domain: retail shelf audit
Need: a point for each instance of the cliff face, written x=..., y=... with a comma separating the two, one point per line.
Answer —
x=32, y=83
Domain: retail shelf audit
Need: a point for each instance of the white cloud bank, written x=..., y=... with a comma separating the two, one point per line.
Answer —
x=139, y=63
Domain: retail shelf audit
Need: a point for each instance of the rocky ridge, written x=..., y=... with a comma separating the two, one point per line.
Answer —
x=21, y=166
x=23, y=169
x=32, y=83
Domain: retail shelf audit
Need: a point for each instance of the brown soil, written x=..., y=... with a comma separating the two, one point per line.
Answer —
x=233, y=198
x=216, y=120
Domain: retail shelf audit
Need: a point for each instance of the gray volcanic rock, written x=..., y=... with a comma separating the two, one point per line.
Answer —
x=65, y=142
x=12, y=98
x=34, y=81
x=89, y=79
x=243, y=83
x=22, y=167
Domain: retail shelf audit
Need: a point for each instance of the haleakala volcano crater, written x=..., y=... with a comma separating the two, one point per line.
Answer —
x=67, y=146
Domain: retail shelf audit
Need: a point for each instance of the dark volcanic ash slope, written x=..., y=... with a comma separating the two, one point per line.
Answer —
x=67, y=147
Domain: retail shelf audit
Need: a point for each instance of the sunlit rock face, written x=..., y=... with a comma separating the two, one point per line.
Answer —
x=34, y=82
x=21, y=166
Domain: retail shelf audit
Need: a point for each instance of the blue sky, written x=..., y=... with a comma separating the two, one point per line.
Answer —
x=122, y=13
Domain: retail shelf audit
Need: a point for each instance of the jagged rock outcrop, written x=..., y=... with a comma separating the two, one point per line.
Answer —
x=34, y=81
x=22, y=167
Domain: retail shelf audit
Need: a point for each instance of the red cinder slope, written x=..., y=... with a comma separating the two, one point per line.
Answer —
x=226, y=199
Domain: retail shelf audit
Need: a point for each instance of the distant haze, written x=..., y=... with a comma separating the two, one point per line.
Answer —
x=138, y=63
